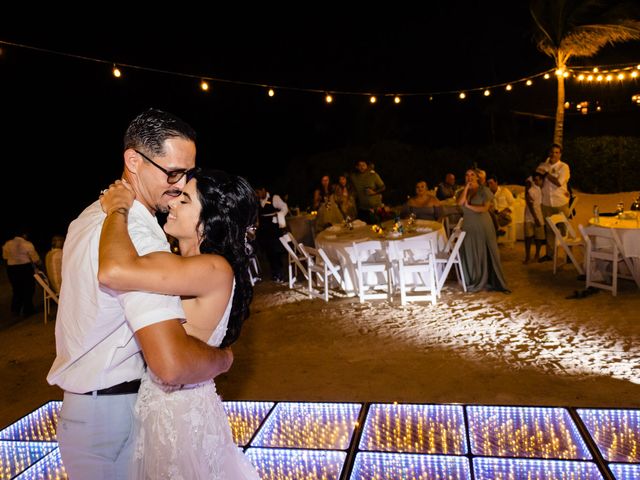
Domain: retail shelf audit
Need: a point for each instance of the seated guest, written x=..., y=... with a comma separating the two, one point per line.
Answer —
x=500, y=206
x=345, y=197
x=53, y=262
x=322, y=192
x=447, y=189
x=423, y=205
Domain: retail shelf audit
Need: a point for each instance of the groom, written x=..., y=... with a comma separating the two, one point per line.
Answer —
x=99, y=332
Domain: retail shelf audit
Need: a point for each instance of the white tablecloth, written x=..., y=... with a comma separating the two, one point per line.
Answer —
x=337, y=242
x=628, y=230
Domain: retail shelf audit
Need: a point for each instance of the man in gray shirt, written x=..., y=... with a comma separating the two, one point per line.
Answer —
x=369, y=187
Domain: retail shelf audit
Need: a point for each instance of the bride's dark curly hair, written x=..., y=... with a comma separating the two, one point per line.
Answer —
x=228, y=217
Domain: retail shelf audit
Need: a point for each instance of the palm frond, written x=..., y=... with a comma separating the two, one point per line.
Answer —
x=587, y=40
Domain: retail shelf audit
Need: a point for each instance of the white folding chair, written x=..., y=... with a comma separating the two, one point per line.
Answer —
x=416, y=261
x=603, y=245
x=321, y=272
x=451, y=257
x=296, y=257
x=254, y=270
x=572, y=206
x=567, y=242
x=372, y=257
x=48, y=294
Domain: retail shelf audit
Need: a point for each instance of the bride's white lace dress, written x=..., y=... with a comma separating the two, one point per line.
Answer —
x=186, y=434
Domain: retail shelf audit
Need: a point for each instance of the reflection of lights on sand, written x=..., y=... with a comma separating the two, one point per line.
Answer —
x=474, y=327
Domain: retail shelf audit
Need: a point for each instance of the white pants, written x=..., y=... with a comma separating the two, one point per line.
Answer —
x=95, y=433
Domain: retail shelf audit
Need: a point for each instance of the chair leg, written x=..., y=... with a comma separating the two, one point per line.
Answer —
x=614, y=280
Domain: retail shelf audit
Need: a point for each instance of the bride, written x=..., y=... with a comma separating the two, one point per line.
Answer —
x=182, y=431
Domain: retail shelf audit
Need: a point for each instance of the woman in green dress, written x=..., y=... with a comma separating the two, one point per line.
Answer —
x=479, y=251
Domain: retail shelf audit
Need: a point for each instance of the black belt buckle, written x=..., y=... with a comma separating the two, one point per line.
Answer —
x=121, y=389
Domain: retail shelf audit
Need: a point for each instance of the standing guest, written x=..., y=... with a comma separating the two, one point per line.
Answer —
x=479, y=252
x=322, y=193
x=53, y=262
x=21, y=255
x=345, y=197
x=369, y=187
x=447, y=189
x=271, y=226
x=100, y=331
x=555, y=196
x=533, y=221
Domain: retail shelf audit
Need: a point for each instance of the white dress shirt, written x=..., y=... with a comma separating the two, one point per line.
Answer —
x=280, y=205
x=503, y=198
x=535, y=195
x=553, y=195
x=19, y=251
x=95, y=344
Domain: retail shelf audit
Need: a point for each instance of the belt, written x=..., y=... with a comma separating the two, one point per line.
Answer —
x=121, y=389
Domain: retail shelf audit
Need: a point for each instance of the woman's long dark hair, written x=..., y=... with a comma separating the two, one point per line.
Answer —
x=228, y=217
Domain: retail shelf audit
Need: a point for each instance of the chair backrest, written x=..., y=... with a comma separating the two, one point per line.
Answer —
x=295, y=254
x=411, y=249
x=572, y=206
x=601, y=238
x=370, y=251
x=560, y=218
x=318, y=256
x=43, y=281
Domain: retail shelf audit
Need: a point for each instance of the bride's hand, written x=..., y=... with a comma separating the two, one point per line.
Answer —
x=118, y=195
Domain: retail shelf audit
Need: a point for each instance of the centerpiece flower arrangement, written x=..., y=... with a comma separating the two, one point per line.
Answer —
x=377, y=229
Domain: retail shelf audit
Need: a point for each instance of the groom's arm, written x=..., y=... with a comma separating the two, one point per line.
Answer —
x=177, y=358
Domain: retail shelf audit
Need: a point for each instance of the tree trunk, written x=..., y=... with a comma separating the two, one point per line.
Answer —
x=559, y=129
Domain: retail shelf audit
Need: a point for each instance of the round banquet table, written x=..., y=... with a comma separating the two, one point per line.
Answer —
x=628, y=230
x=337, y=242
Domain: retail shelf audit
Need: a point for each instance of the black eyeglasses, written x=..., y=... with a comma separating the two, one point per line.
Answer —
x=173, y=176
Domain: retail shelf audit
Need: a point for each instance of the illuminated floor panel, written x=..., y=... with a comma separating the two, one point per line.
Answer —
x=39, y=425
x=415, y=429
x=403, y=466
x=50, y=467
x=285, y=464
x=312, y=441
x=16, y=457
x=522, y=469
x=309, y=425
x=531, y=432
x=245, y=419
x=616, y=432
x=625, y=471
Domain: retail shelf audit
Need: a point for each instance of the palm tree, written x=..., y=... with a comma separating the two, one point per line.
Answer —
x=580, y=28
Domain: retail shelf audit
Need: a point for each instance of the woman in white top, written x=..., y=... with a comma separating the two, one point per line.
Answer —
x=182, y=431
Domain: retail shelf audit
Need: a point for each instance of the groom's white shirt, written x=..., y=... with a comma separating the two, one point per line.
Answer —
x=95, y=344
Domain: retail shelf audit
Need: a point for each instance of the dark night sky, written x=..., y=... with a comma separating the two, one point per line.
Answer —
x=63, y=117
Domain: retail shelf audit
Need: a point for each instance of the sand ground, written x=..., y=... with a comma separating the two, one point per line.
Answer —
x=532, y=347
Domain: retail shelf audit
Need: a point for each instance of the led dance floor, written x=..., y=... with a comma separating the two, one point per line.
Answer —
x=375, y=441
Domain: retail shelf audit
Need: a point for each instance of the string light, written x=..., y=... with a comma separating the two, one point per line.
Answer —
x=487, y=93
x=204, y=86
x=462, y=95
x=578, y=72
